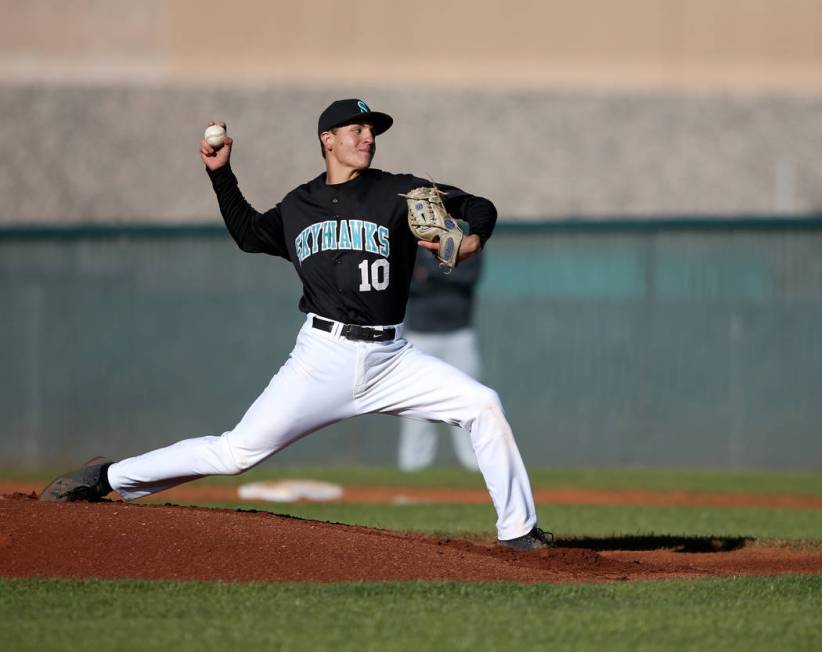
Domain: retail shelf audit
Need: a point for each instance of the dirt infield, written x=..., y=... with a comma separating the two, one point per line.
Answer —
x=142, y=541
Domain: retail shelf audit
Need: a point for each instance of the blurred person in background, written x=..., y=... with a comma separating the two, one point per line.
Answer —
x=439, y=322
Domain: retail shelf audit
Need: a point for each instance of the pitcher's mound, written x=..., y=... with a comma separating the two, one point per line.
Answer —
x=117, y=540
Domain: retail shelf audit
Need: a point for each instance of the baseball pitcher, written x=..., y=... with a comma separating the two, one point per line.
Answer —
x=351, y=234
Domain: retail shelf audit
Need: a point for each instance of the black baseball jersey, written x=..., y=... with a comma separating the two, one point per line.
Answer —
x=349, y=242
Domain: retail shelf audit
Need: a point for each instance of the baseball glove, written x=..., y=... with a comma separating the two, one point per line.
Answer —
x=428, y=220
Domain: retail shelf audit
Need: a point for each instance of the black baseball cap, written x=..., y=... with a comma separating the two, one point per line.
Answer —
x=344, y=112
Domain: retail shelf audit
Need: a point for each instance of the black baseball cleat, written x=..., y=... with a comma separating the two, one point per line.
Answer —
x=536, y=539
x=88, y=483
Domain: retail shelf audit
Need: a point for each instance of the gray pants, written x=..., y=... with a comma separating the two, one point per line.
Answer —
x=418, y=439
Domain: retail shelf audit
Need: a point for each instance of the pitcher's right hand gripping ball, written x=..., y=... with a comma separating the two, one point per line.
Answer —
x=428, y=220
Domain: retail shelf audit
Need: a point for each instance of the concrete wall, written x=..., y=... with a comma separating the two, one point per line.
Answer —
x=688, y=45
x=551, y=109
x=128, y=154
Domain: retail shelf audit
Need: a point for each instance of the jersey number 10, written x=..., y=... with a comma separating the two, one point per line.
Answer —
x=378, y=278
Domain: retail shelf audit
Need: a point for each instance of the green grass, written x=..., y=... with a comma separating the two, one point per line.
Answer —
x=782, y=613
x=563, y=520
x=566, y=520
x=755, y=482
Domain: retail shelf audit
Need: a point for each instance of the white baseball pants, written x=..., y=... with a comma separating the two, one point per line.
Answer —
x=418, y=439
x=328, y=378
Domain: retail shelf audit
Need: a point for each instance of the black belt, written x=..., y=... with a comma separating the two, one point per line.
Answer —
x=353, y=332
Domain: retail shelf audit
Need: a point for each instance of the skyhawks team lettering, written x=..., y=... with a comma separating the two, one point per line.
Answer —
x=330, y=235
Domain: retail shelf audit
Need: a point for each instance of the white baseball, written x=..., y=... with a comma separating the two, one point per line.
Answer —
x=215, y=136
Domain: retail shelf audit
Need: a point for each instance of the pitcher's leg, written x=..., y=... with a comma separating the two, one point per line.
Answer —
x=422, y=386
x=167, y=467
x=501, y=465
x=301, y=398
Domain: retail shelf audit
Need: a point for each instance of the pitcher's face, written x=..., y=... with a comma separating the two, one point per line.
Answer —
x=351, y=146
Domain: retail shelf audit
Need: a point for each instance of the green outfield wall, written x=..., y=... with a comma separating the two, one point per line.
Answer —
x=624, y=343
